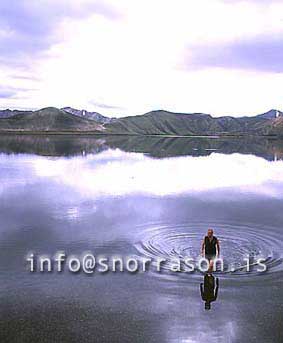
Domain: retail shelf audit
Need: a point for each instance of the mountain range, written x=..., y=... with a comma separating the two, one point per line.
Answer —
x=89, y=115
x=70, y=120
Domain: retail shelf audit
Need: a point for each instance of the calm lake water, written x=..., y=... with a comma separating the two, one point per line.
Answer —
x=141, y=197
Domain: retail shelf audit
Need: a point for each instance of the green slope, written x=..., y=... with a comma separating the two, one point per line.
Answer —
x=48, y=119
x=153, y=123
x=163, y=122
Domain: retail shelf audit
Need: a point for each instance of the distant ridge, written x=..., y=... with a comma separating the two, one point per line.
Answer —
x=181, y=124
x=158, y=122
x=10, y=113
x=47, y=119
x=272, y=114
x=89, y=115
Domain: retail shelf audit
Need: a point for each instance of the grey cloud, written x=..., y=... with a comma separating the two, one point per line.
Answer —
x=25, y=77
x=27, y=27
x=106, y=106
x=259, y=54
x=7, y=92
x=259, y=2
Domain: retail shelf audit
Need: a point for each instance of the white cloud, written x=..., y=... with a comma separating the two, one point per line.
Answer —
x=116, y=173
x=137, y=63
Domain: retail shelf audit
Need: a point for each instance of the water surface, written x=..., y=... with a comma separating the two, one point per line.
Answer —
x=142, y=197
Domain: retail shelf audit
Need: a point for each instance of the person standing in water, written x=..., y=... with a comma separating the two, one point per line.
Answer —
x=210, y=248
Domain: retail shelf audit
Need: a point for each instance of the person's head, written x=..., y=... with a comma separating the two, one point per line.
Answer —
x=207, y=305
x=210, y=232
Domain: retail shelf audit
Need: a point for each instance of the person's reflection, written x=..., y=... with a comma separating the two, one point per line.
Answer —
x=209, y=290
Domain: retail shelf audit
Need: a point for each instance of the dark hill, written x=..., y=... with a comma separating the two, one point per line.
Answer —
x=152, y=123
x=169, y=123
x=48, y=119
x=10, y=113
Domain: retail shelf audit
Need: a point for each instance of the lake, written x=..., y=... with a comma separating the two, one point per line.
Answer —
x=140, y=197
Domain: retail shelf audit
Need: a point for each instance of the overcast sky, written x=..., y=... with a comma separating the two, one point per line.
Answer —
x=126, y=57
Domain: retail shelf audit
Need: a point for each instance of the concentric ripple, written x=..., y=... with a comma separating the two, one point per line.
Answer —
x=178, y=242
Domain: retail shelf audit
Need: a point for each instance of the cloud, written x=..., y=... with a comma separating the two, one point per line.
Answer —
x=29, y=27
x=105, y=106
x=259, y=2
x=264, y=54
x=76, y=51
x=116, y=173
x=10, y=92
x=6, y=93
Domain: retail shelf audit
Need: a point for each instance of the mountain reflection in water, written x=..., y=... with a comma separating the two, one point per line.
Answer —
x=56, y=145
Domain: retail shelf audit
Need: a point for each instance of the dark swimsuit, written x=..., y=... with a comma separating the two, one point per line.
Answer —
x=210, y=247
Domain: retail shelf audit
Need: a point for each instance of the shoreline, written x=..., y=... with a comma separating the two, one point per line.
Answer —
x=92, y=133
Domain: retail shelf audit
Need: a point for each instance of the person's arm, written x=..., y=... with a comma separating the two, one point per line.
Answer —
x=202, y=248
x=218, y=247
